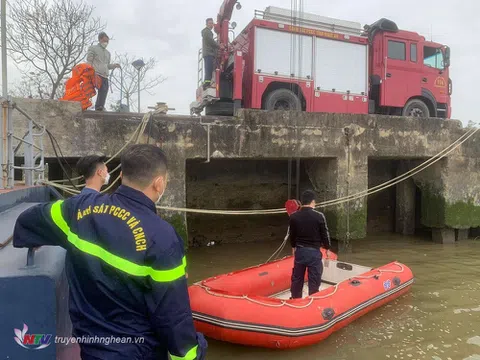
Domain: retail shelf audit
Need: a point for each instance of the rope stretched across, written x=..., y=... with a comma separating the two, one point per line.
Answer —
x=136, y=136
x=342, y=200
x=462, y=139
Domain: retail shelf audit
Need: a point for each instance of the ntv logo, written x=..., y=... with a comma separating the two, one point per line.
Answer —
x=31, y=341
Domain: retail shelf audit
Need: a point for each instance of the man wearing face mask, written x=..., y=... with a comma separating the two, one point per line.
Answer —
x=209, y=52
x=99, y=57
x=125, y=265
x=95, y=172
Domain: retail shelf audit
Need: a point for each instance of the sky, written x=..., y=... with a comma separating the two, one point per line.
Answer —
x=169, y=30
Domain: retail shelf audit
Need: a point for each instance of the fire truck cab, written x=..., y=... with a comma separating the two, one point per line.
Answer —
x=409, y=76
x=284, y=60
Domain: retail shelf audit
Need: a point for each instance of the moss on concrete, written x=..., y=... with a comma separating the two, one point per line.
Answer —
x=180, y=224
x=337, y=223
x=433, y=208
x=462, y=215
x=437, y=212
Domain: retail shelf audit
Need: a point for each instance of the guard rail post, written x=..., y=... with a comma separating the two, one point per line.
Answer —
x=2, y=145
x=10, y=155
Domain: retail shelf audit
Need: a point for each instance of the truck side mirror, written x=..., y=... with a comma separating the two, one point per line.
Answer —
x=447, y=56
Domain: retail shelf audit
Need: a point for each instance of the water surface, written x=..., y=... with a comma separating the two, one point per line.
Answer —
x=439, y=319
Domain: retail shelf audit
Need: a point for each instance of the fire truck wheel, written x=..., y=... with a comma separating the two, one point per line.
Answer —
x=282, y=99
x=416, y=108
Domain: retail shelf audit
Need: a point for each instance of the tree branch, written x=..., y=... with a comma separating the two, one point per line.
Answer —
x=129, y=87
x=50, y=37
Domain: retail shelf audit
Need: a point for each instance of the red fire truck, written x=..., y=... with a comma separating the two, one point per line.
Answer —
x=285, y=60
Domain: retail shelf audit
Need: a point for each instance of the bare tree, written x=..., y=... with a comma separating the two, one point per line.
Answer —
x=128, y=86
x=33, y=85
x=48, y=38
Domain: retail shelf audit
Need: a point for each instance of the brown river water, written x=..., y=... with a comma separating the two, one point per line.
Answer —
x=439, y=319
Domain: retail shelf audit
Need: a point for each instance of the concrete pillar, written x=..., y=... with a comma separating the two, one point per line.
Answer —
x=329, y=178
x=355, y=210
x=461, y=234
x=443, y=235
x=405, y=204
x=175, y=196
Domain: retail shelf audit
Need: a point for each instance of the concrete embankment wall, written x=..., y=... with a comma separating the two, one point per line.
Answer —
x=340, y=154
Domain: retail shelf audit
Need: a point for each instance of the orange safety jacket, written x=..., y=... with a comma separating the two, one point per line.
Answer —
x=82, y=85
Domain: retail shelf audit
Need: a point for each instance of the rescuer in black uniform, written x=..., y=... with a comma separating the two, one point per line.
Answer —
x=125, y=265
x=308, y=232
x=94, y=171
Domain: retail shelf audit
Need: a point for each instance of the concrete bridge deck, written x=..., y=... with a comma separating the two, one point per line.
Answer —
x=335, y=150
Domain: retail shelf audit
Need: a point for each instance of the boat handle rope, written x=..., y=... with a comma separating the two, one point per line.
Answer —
x=311, y=298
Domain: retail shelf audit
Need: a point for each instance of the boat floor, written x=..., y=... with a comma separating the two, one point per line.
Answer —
x=286, y=294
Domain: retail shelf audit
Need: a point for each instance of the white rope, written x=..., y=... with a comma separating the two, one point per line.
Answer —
x=412, y=172
x=324, y=204
x=341, y=200
x=140, y=126
x=139, y=131
x=281, y=247
x=286, y=303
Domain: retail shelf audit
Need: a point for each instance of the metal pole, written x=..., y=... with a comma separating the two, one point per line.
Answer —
x=2, y=161
x=208, y=143
x=121, y=86
x=41, y=176
x=28, y=155
x=10, y=155
x=297, y=173
x=30, y=257
x=4, y=48
x=138, y=90
x=3, y=145
x=347, y=204
x=290, y=179
x=3, y=123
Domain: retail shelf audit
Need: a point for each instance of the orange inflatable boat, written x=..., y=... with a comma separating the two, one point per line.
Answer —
x=252, y=306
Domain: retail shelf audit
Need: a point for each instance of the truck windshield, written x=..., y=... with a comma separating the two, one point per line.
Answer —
x=433, y=57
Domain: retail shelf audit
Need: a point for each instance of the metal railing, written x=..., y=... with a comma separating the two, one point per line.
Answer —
x=11, y=146
x=200, y=68
x=201, y=65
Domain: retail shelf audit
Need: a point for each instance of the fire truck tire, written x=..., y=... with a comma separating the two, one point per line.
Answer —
x=416, y=108
x=283, y=99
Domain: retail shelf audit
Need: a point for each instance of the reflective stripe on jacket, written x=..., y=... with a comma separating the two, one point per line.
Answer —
x=126, y=271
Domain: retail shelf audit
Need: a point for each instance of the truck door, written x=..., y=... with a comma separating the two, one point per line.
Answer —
x=434, y=74
x=396, y=73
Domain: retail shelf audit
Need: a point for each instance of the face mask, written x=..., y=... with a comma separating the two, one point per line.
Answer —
x=160, y=196
x=104, y=45
x=107, y=179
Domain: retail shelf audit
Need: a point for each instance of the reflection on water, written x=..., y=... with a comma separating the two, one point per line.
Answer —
x=439, y=319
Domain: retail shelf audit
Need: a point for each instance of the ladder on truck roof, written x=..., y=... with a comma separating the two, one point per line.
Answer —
x=289, y=17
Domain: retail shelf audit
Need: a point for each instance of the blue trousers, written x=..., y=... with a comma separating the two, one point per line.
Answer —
x=311, y=259
x=102, y=95
x=209, y=60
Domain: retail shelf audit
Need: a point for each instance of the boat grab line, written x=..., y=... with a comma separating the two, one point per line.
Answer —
x=311, y=298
